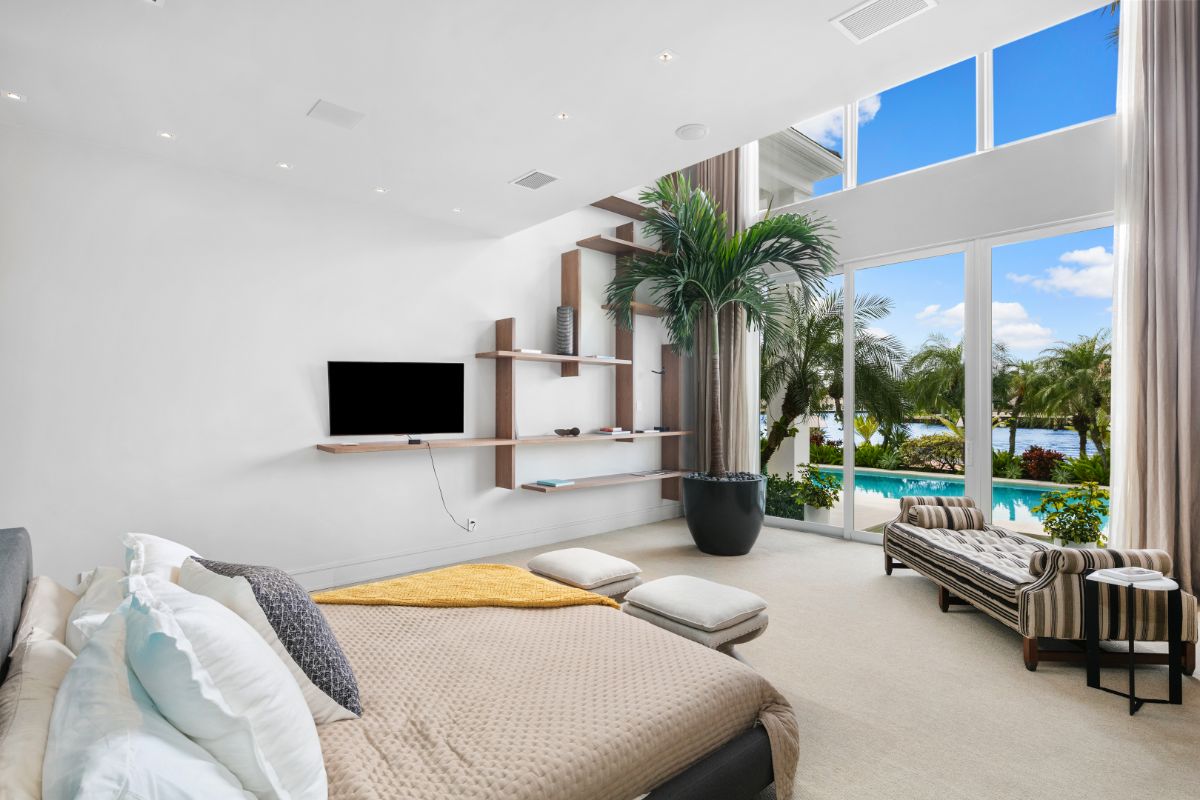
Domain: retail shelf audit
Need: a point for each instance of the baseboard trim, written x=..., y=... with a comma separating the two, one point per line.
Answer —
x=341, y=573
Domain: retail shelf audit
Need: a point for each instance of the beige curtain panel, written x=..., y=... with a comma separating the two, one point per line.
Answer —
x=1156, y=304
x=718, y=177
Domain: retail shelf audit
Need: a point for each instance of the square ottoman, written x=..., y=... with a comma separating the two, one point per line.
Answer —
x=588, y=569
x=713, y=614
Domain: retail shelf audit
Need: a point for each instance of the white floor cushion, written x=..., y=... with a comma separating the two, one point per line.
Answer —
x=743, y=631
x=26, y=701
x=696, y=602
x=582, y=568
x=108, y=741
x=214, y=678
x=47, y=606
x=153, y=555
x=105, y=589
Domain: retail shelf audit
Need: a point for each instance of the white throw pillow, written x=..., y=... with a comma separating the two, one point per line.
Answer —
x=26, y=700
x=696, y=602
x=105, y=591
x=583, y=568
x=154, y=555
x=109, y=742
x=236, y=594
x=217, y=681
x=47, y=607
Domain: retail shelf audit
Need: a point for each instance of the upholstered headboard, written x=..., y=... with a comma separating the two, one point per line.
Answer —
x=16, y=568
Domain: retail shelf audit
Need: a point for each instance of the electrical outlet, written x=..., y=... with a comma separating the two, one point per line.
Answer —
x=471, y=522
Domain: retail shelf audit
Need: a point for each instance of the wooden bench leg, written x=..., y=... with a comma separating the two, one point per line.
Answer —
x=1030, y=647
x=943, y=599
x=1189, y=658
x=887, y=564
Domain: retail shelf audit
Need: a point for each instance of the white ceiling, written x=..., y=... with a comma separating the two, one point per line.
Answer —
x=460, y=96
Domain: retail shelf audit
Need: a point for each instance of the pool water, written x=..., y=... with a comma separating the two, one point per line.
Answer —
x=1010, y=502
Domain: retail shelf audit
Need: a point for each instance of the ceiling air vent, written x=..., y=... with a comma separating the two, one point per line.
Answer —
x=533, y=180
x=873, y=17
x=345, y=118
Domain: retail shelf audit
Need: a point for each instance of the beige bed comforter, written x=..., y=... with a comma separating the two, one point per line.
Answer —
x=580, y=703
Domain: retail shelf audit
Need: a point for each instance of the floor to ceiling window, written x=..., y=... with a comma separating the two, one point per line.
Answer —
x=909, y=418
x=1051, y=330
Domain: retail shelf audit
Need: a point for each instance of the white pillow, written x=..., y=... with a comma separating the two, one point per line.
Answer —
x=583, y=568
x=153, y=555
x=26, y=700
x=108, y=741
x=236, y=594
x=105, y=591
x=47, y=607
x=217, y=681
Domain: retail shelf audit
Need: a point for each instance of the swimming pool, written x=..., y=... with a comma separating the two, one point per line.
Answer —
x=1011, y=501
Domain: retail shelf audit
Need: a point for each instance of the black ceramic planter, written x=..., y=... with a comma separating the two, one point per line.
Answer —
x=724, y=517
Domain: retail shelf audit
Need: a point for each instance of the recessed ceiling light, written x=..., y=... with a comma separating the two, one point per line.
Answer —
x=667, y=56
x=692, y=131
x=456, y=210
x=381, y=190
x=166, y=135
x=20, y=98
x=283, y=165
x=563, y=116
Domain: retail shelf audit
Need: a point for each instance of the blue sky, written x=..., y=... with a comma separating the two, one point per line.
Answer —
x=1045, y=290
x=1057, y=77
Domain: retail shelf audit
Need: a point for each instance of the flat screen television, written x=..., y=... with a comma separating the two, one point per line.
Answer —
x=395, y=397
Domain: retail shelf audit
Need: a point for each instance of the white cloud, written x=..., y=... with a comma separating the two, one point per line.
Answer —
x=880, y=332
x=826, y=129
x=1011, y=324
x=1083, y=273
x=928, y=311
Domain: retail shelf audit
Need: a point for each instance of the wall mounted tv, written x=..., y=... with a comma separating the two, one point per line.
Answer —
x=395, y=397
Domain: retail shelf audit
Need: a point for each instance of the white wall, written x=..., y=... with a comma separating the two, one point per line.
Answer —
x=163, y=339
x=1058, y=177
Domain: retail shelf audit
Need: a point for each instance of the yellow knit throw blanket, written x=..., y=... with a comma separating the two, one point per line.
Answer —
x=465, y=586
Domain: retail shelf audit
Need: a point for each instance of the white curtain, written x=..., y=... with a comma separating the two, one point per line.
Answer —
x=1156, y=304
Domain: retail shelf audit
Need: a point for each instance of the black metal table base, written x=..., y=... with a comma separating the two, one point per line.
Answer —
x=1174, y=636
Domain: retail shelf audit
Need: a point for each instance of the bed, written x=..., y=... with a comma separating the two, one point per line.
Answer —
x=576, y=703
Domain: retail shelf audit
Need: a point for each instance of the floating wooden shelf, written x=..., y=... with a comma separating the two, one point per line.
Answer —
x=641, y=309
x=619, y=205
x=380, y=447
x=614, y=246
x=515, y=356
x=603, y=480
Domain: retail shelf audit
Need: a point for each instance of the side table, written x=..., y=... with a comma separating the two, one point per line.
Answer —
x=1174, y=634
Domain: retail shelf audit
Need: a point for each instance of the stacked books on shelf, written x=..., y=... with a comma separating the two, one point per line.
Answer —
x=555, y=482
x=604, y=357
x=611, y=431
x=531, y=350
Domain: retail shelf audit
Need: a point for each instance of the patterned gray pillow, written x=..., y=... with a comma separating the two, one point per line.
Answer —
x=301, y=628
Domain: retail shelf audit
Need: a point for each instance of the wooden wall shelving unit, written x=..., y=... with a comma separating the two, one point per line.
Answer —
x=506, y=442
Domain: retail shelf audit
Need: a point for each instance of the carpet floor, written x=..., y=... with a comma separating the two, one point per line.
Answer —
x=898, y=700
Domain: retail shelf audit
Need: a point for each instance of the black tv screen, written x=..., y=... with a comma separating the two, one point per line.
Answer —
x=395, y=397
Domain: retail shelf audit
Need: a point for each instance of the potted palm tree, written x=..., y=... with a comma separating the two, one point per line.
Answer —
x=700, y=270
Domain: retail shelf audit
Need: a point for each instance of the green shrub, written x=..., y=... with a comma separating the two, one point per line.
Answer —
x=825, y=454
x=1075, y=514
x=815, y=488
x=890, y=459
x=1038, y=463
x=1083, y=469
x=781, y=497
x=1005, y=465
x=867, y=455
x=941, y=452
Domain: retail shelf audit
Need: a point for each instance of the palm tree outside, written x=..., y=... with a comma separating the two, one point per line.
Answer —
x=1078, y=386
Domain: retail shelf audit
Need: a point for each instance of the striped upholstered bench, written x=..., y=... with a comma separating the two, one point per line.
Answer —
x=1032, y=587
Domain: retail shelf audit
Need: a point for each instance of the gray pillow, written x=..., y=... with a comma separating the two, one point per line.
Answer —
x=300, y=627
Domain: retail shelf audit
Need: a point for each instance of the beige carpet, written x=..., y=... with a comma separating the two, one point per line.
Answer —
x=898, y=700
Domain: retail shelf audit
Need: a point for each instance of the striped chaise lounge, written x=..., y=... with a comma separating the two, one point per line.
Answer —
x=1032, y=587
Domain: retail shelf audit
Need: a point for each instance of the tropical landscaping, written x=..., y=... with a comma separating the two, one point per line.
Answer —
x=910, y=405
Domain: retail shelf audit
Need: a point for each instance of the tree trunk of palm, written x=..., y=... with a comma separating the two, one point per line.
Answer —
x=775, y=437
x=716, y=433
x=1012, y=435
x=1081, y=427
